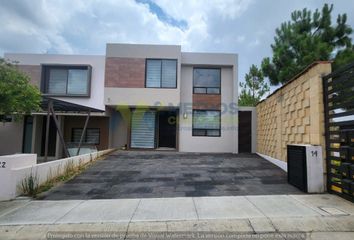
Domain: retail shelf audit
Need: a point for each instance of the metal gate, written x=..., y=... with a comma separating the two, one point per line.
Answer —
x=339, y=124
x=143, y=129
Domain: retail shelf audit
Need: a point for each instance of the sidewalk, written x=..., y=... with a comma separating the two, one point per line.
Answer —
x=318, y=215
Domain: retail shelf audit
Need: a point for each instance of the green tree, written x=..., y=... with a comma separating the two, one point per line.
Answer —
x=254, y=87
x=308, y=37
x=17, y=95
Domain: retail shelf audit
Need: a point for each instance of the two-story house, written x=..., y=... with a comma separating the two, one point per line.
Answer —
x=139, y=96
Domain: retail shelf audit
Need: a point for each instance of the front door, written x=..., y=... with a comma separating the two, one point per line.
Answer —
x=245, y=131
x=167, y=129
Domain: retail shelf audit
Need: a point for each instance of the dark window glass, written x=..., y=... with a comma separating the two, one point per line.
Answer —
x=5, y=118
x=207, y=79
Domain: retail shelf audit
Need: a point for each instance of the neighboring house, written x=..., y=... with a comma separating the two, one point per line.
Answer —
x=140, y=96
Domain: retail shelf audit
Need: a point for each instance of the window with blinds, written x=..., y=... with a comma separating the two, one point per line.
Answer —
x=92, y=136
x=206, y=123
x=77, y=81
x=66, y=80
x=57, y=81
x=161, y=73
x=143, y=129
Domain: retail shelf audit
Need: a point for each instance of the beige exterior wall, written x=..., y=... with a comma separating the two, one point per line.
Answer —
x=294, y=114
x=227, y=142
x=138, y=96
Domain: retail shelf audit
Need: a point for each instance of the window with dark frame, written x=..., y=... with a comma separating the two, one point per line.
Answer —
x=92, y=135
x=66, y=80
x=5, y=118
x=161, y=73
x=206, y=123
x=206, y=80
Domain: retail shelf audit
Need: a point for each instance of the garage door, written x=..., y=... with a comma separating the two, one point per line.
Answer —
x=143, y=129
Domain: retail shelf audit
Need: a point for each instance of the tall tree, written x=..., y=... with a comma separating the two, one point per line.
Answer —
x=17, y=95
x=308, y=37
x=254, y=87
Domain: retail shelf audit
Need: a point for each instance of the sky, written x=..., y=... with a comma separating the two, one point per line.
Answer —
x=245, y=27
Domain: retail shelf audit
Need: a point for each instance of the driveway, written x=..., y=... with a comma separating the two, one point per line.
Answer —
x=143, y=174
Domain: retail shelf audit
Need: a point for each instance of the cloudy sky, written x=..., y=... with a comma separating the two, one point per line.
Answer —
x=245, y=27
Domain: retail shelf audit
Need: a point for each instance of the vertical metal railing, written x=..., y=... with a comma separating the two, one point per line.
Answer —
x=338, y=96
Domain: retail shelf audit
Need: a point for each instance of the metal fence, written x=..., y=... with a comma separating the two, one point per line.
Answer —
x=339, y=124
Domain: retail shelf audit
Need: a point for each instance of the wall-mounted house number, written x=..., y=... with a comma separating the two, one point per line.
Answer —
x=2, y=164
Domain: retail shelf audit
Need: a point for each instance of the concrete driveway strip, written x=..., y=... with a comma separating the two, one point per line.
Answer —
x=281, y=206
x=120, y=210
x=318, y=201
x=225, y=208
x=165, y=209
x=9, y=206
x=39, y=212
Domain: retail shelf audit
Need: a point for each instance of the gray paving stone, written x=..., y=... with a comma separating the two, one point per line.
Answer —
x=127, y=174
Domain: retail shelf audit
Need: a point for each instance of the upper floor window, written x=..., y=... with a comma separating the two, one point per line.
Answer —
x=63, y=80
x=206, y=80
x=161, y=73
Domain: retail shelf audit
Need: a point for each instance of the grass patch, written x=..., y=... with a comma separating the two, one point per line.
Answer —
x=30, y=186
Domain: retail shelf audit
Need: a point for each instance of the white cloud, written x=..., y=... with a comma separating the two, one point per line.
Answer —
x=85, y=26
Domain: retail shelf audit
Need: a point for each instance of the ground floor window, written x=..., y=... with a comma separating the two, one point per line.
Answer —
x=206, y=123
x=92, y=135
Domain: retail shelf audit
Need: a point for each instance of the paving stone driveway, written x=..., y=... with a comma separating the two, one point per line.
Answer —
x=142, y=174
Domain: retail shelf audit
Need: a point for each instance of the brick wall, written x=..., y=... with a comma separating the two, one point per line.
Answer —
x=294, y=114
x=206, y=101
x=125, y=72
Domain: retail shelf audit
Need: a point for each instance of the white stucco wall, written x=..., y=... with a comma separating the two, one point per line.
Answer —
x=7, y=178
x=227, y=142
x=21, y=166
x=97, y=78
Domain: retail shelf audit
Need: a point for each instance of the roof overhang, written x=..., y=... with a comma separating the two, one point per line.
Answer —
x=63, y=106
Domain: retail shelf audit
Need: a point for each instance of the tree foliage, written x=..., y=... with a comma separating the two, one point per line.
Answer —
x=254, y=87
x=17, y=95
x=308, y=37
